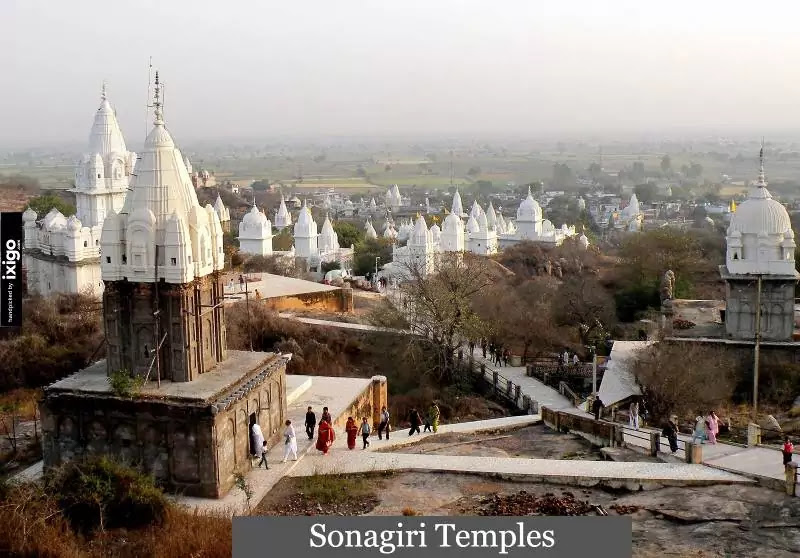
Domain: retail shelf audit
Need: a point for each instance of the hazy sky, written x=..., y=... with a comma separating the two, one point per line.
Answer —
x=254, y=69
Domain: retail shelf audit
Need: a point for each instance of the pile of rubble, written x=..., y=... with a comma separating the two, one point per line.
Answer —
x=524, y=503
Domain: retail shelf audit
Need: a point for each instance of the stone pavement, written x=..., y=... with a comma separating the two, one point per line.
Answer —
x=580, y=473
x=533, y=388
x=341, y=325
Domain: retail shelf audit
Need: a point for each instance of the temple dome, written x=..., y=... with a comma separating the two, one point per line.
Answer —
x=760, y=214
x=529, y=209
x=254, y=218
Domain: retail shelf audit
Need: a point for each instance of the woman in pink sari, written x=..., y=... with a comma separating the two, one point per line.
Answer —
x=712, y=420
x=326, y=437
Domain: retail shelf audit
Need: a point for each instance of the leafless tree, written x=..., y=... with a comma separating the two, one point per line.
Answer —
x=583, y=304
x=684, y=379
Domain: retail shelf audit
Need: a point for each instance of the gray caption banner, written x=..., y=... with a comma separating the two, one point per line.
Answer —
x=424, y=537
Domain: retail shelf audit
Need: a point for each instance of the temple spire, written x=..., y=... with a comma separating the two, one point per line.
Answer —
x=157, y=102
x=762, y=182
x=103, y=91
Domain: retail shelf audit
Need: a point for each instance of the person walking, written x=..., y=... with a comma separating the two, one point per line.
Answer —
x=384, y=424
x=241, y=283
x=352, y=431
x=700, y=430
x=471, y=348
x=311, y=422
x=507, y=357
x=326, y=416
x=712, y=420
x=483, y=347
x=289, y=442
x=670, y=432
x=435, y=414
x=788, y=448
x=427, y=422
x=415, y=421
x=256, y=439
x=597, y=406
x=575, y=360
x=325, y=436
x=633, y=415
x=263, y=456
x=365, y=430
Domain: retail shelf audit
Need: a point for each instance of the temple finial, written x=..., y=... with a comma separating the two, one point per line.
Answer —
x=157, y=102
x=762, y=181
x=103, y=91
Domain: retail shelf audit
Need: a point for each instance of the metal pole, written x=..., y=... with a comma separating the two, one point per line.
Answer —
x=757, y=351
x=594, y=374
x=247, y=305
x=377, y=258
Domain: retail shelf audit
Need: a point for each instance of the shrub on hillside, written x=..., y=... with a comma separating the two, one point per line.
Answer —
x=98, y=493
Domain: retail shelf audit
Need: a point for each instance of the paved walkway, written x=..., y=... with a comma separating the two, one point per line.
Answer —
x=581, y=473
x=533, y=388
x=342, y=325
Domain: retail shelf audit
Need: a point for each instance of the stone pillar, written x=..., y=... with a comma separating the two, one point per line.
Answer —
x=483, y=370
x=791, y=478
x=694, y=453
x=753, y=434
x=509, y=388
x=380, y=398
x=655, y=443
x=495, y=380
x=526, y=403
x=557, y=421
x=347, y=299
x=517, y=394
x=619, y=436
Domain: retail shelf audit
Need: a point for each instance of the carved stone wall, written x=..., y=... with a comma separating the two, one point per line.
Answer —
x=190, y=448
x=191, y=316
x=777, y=309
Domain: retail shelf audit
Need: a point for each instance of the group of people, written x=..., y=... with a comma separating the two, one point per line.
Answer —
x=706, y=428
x=565, y=359
x=326, y=434
x=499, y=355
x=259, y=444
x=430, y=421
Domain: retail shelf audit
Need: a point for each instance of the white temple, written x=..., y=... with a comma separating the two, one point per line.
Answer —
x=283, y=218
x=369, y=230
x=393, y=199
x=161, y=233
x=223, y=213
x=420, y=252
x=631, y=217
x=532, y=226
x=63, y=255
x=316, y=248
x=255, y=233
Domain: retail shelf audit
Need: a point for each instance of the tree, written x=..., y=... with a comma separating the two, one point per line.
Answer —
x=595, y=171
x=646, y=193
x=283, y=241
x=583, y=304
x=666, y=165
x=684, y=379
x=647, y=256
x=44, y=203
x=367, y=250
x=349, y=234
x=562, y=175
x=695, y=170
x=260, y=185
x=361, y=172
x=637, y=172
x=484, y=187
x=474, y=171
x=442, y=309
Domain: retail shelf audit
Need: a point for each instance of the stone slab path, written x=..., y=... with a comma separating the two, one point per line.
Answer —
x=580, y=473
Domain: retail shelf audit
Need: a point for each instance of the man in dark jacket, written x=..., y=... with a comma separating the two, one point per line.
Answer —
x=670, y=432
x=311, y=422
x=415, y=421
x=597, y=406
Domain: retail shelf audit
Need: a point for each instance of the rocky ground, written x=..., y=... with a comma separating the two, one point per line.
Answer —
x=536, y=442
x=714, y=521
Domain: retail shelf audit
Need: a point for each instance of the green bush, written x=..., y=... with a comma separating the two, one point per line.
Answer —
x=125, y=385
x=98, y=493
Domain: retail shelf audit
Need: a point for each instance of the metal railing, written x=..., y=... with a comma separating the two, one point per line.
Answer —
x=663, y=441
x=502, y=386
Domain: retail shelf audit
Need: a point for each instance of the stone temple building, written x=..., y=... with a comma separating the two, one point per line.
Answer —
x=163, y=309
x=62, y=254
x=760, y=255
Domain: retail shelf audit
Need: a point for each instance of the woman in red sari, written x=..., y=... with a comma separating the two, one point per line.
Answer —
x=326, y=437
x=352, y=432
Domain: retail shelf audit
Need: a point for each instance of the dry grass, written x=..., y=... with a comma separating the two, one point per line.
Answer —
x=21, y=401
x=31, y=524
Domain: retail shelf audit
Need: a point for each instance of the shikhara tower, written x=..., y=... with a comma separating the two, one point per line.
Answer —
x=62, y=254
x=161, y=258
